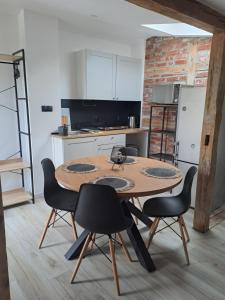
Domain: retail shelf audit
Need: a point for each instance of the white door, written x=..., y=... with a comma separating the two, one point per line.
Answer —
x=190, y=119
x=78, y=148
x=100, y=75
x=128, y=79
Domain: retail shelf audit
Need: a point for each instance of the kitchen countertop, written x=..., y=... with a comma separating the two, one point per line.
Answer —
x=101, y=133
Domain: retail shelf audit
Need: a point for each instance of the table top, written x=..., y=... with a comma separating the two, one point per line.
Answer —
x=143, y=185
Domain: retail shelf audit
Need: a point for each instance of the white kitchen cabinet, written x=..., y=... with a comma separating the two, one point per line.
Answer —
x=104, y=144
x=68, y=149
x=105, y=76
x=75, y=148
x=78, y=148
x=128, y=79
x=100, y=74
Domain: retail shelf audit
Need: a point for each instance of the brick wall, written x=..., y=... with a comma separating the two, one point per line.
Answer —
x=170, y=60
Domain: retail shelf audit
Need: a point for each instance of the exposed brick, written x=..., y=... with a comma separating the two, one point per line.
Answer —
x=169, y=60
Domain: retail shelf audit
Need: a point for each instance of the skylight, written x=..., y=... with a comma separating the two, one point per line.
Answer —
x=178, y=29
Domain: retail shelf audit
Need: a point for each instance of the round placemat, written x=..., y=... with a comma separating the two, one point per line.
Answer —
x=80, y=168
x=120, y=184
x=129, y=160
x=164, y=173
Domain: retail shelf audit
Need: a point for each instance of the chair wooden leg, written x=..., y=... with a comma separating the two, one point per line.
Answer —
x=136, y=219
x=153, y=228
x=74, y=226
x=114, y=268
x=46, y=228
x=183, y=240
x=83, y=251
x=124, y=247
x=93, y=241
x=54, y=217
x=185, y=229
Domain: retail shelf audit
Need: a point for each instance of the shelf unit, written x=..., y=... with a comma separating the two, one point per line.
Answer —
x=15, y=162
x=164, y=133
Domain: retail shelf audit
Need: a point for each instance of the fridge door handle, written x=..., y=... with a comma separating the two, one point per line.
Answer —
x=177, y=149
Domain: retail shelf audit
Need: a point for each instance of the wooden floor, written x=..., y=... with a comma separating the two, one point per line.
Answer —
x=45, y=274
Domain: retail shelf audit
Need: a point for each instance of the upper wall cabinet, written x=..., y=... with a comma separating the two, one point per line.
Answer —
x=100, y=74
x=128, y=78
x=104, y=76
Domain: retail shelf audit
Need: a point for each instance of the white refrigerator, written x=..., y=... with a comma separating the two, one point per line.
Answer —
x=189, y=127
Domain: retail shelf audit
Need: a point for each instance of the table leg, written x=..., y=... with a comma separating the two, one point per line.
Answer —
x=137, y=242
x=77, y=246
x=133, y=233
x=139, y=214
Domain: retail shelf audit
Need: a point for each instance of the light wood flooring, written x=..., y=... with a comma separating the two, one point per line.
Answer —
x=45, y=274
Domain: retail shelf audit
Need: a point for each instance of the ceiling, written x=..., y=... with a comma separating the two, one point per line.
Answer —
x=218, y=5
x=112, y=19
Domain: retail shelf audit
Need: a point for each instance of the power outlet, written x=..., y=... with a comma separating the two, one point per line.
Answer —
x=46, y=108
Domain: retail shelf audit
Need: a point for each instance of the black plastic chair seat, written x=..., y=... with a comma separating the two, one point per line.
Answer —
x=173, y=206
x=165, y=207
x=99, y=210
x=56, y=196
x=63, y=199
x=108, y=227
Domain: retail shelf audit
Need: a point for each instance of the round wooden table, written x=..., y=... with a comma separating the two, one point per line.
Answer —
x=143, y=186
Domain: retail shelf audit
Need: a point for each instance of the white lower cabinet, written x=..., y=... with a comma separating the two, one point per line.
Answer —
x=77, y=148
x=104, y=144
x=69, y=149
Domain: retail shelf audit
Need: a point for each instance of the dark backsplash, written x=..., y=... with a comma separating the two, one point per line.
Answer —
x=101, y=113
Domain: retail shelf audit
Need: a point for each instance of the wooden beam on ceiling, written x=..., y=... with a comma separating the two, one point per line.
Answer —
x=191, y=12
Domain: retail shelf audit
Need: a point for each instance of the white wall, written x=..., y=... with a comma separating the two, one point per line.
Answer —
x=71, y=41
x=40, y=40
x=9, y=42
x=49, y=46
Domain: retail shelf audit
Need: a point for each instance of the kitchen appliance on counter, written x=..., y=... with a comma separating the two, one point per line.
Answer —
x=132, y=121
x=112, y=128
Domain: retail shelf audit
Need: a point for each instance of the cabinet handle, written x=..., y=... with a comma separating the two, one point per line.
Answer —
x=70, y=144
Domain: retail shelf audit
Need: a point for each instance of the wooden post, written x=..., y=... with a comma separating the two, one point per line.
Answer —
x=210, y=132
x=4, y=279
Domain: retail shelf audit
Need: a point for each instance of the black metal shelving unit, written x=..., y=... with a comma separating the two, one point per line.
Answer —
x=15, y=162
x=164, y=132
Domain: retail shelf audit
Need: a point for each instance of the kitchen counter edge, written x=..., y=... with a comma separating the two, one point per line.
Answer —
x=101, y=133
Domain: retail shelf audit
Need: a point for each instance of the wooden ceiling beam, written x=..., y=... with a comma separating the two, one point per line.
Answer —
x=187, y=11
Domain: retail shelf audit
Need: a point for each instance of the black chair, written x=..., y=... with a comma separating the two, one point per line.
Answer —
x=172, y=207
x=133, y=151
x=99, y=211
x=58, y=198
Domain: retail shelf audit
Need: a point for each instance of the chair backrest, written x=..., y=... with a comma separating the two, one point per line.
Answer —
x=50, y=183
x=99, y=209
x=131, y=151
x=188, y=180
